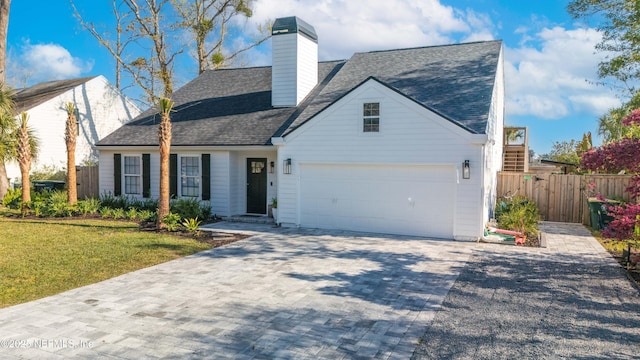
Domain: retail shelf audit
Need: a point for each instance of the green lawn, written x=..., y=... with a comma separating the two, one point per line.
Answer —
x=39, y=258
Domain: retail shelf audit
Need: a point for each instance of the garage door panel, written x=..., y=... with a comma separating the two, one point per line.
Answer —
x=412, y=200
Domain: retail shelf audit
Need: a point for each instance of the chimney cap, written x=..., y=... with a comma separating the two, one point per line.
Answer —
x=294, y=24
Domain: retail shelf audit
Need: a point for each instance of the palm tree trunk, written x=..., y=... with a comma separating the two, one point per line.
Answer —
x=5, y=5
x=70, y=135
x=4, y=26
x=72, y=188
x=24, y=160
x=4, y=180
x=164, y=138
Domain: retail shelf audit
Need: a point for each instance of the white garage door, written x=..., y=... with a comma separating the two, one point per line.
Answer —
x=409, y=200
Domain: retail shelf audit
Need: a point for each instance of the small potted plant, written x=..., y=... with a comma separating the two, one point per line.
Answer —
x=274, y=209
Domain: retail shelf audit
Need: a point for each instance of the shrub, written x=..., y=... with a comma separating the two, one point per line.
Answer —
x=106, y=212
x=114, y=202
x=149, y=204
x=147, y=215
x=118, y=213
x=187, y=208
x=625, y=223
x=88, y=206
x=518, y=214
x=171, y=221
x=132, y=213
x=38, y=207
x=13, y=199
x=191, y=225
x=52, y=204
x=205, y=210
x=127, y=202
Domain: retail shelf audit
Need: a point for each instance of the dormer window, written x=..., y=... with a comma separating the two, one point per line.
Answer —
x=371, y=117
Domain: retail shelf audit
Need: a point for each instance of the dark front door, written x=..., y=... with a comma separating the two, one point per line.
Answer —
x=256, y=186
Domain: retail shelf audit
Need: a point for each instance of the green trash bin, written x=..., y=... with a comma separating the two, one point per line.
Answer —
x=41, y=185
x=599, y=212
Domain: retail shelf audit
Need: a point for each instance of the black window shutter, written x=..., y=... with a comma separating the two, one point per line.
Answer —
x=146, y=175
x=206, y=176
x=173, y=176
x=117, y=174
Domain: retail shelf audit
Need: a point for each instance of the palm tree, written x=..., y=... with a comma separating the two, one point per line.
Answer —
x=610, y=126
x=25, y=155
x=164, y=138
x=513, y=135
x=7, y=129
x=70, y=135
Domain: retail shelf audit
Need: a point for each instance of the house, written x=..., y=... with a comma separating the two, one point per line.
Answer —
x=101, y=109
x=404, y=141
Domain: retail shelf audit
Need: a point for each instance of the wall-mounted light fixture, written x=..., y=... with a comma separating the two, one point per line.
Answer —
x=272, y=166
x=287, y=166
x=466, y=170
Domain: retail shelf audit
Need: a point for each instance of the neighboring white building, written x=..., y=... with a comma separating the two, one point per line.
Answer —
x=101, y=109
x=405, y=141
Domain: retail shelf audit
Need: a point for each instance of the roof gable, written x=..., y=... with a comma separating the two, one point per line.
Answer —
x=455, y=81
x=28, y=98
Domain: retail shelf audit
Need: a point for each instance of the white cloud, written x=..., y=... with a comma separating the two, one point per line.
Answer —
x=43, y=62
x=348, y=26
x=554, y=73
x=550, y=73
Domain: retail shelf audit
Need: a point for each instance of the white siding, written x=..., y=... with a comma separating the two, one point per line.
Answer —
x=409, y=135
x=105, y=172
x=101, y=108
x=237, y=185
x=220, y=183
x=307, y=77
x=294, y=69
x=494, y=148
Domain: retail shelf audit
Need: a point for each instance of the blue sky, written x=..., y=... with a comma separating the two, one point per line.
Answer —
x=550, y=62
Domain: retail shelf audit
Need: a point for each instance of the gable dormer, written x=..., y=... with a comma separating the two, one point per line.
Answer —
x=294, y=61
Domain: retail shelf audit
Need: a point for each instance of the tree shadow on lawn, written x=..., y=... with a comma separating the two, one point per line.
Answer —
x=76, y=222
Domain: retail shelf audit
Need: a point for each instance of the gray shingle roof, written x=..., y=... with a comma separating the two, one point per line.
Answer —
x=455, y=81
x=233, y=106
x=35, y=95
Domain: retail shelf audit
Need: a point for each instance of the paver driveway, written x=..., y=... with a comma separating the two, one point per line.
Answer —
x=283, y=294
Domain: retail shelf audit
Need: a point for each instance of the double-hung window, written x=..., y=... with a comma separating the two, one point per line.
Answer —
x=371, y=117
x=190, y=176
x=132, y=175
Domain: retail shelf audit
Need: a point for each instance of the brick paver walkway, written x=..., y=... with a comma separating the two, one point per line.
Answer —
x=288, y=294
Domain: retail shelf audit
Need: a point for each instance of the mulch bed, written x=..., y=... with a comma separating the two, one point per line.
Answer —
x=213, y=238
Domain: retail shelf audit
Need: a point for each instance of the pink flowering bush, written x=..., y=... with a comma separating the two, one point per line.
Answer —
x=624, y=223
x=611, y=158
x=632, y=119
x=634, y=186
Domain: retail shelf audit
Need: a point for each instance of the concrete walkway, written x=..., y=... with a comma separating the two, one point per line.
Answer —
x=303, y=294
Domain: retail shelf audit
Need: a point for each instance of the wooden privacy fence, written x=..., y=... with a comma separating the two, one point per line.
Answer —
x=562, y=197
x=87, y=180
